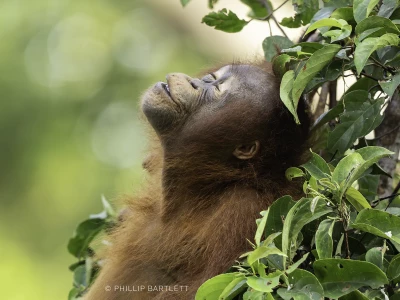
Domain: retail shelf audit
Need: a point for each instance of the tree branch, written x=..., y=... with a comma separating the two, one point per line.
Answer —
x=279, y=26
x=333, y=94
x=271, y=15
x=369, y=76
x=322, y=100
x=272, y=12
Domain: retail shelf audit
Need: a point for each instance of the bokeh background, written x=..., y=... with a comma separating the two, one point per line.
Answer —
x=71, y=76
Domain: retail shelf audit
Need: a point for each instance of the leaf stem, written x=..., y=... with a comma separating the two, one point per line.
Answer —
x=369, y=76
x=385, y=134
x=377, y=62
x=264, y=2
x=391, y=196
x=271, y=15
x=346, y=236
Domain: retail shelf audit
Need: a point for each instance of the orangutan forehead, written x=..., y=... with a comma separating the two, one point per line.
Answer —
x=237, y=67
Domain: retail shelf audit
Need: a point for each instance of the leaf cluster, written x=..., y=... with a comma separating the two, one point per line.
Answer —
x=330, y=244
x=80, y=246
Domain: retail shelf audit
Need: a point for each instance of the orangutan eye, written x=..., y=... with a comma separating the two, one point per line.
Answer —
x=209, y=78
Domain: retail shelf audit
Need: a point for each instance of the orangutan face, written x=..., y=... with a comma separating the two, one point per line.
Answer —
x=233, y=100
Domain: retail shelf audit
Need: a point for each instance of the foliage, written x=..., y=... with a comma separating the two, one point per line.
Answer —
x=87, y=266
x=340, y=241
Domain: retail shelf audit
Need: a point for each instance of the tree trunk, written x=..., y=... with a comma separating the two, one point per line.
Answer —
x=388, y=136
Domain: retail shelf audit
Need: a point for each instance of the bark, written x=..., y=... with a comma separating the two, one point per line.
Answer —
x=322, y=101
x=388, y=136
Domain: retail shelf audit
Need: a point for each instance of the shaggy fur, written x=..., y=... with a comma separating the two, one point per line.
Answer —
x=199, y=206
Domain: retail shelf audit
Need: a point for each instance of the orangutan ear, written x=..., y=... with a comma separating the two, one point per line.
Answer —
x=247, y=151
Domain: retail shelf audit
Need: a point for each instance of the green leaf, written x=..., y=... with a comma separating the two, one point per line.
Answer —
x=262, y=252
x=395, y=297
x=211, y=3
x=337, y=3
x=338, y=252
x=356, y=199
x=295, y=51
x=75, y=265
x=342, y=276
x=259, y=10
x=375, y=256
x=338, y=35
x=363, y=83
x=237, y=286
x=323, y=239
x=225, y=21
x=297, y=263
x=362, y=8
x=355, y=295
x=261, y=228
x=378, y=26
x=270, y=239
x=276, y=213
x=310, y=47
x=256, y=295
x=303, y=286
x=273, y=45
x=265, y=284
x=293, y=172
x=108, y=211
x=279, y=65
x=325, y=182
x=84, y=234
x=314, y=203
x=184, y=2
x=347, y=166
x=298, y=216
x=329, y=73
x=286, y=89
x=329, y=115
x=368, y=186
x=387, y=8
x=107, y=207
x=379, y=223
x=359, y=118
x=344, y=13
x=368, y=46
x=317, y=167
x=291, y=22
x=393, y=270
x=324, y=12
x=353, y=166
x=305, y=10
x=372, y=154
x=213, y=288
x=390, y=86
x=315, y=63
x=331, y=22
x=80, y=277
x=75, y=293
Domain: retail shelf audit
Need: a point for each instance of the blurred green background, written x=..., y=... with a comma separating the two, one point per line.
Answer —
x=71, y=77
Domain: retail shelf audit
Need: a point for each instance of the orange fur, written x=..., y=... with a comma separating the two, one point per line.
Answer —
x=193, y=217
